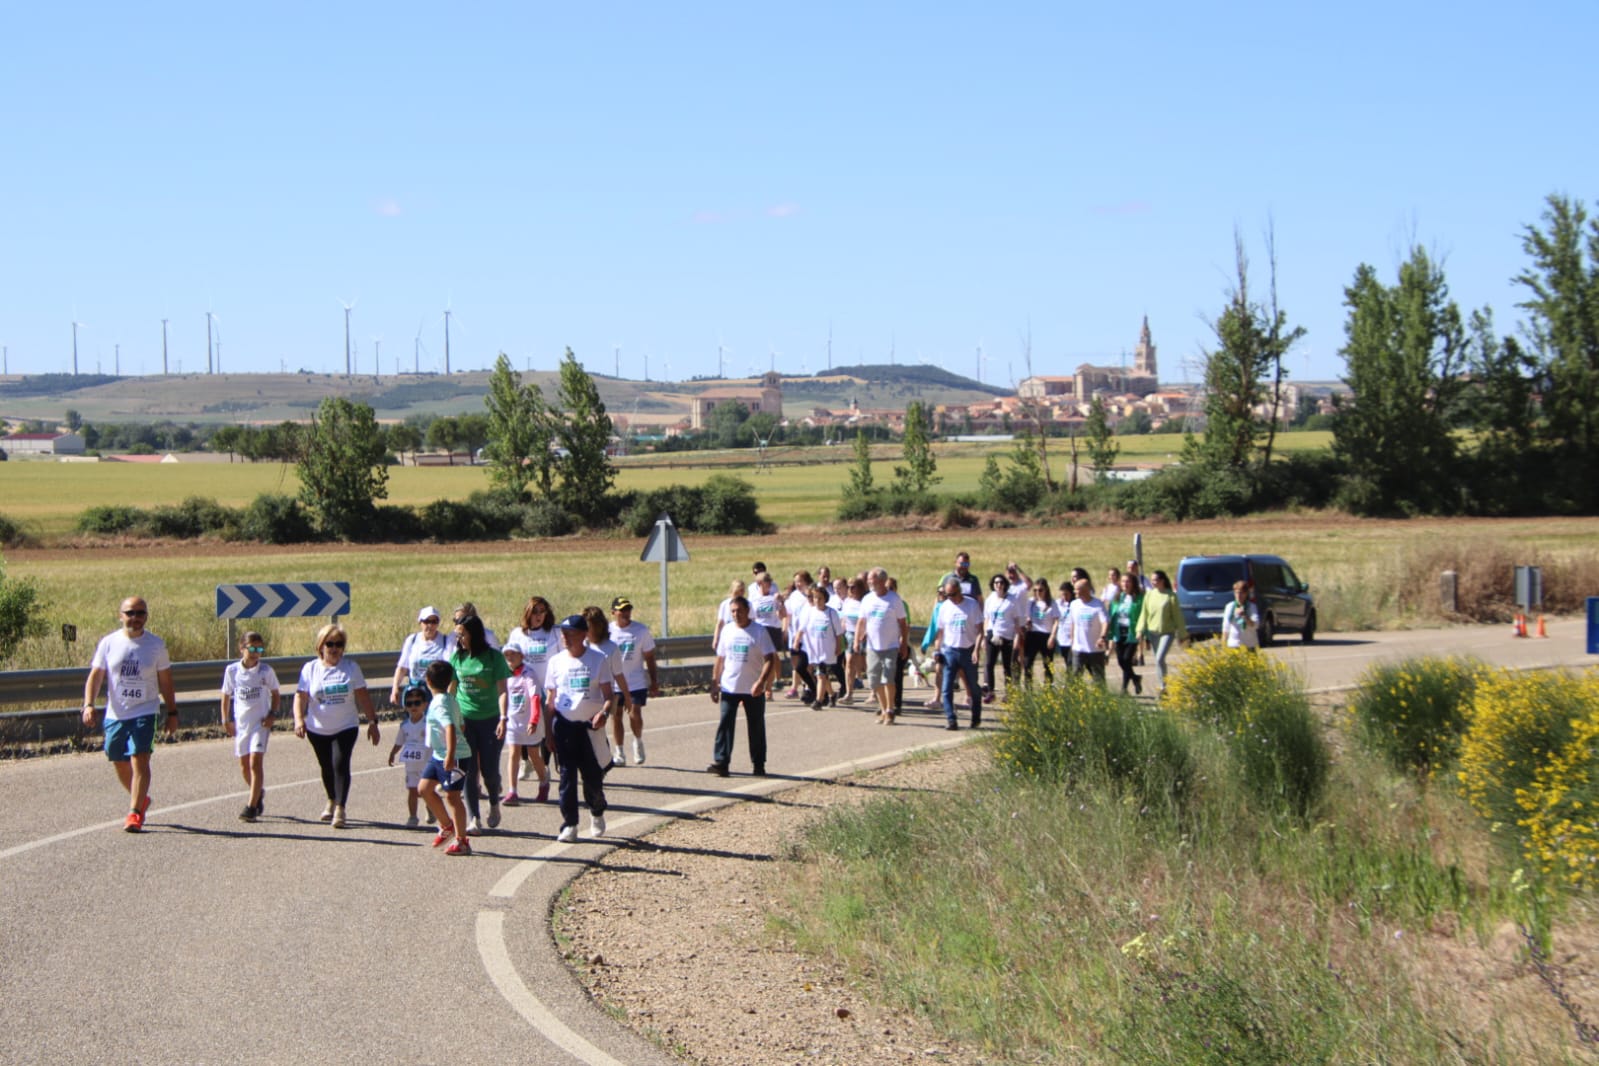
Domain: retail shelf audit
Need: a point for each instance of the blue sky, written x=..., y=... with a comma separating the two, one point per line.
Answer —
x=664, y=177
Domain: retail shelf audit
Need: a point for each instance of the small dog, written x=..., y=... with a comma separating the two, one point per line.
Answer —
x=919, y=668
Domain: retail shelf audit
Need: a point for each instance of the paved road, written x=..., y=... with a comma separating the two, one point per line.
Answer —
x=208, y=940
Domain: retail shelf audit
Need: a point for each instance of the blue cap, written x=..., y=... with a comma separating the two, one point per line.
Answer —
x=575, y=621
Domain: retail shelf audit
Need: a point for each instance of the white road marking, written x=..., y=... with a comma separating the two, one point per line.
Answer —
x=491, y=923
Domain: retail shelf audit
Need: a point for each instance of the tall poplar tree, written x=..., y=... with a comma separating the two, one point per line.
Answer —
x=920, y=470
x=584, y=430
x=341, y=467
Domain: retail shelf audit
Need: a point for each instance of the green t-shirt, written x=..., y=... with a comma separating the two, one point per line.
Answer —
x=479, y=680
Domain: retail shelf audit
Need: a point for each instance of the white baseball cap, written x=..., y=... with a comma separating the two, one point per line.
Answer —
x=425, y=613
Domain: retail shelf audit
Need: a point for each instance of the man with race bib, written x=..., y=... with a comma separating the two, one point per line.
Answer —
x=135, y=664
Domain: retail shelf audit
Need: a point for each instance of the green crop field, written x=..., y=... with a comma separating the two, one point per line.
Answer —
x=1352, y=566
x=799, y=486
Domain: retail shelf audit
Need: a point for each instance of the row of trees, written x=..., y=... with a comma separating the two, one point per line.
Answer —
x=1444, y=414
x=535, y=448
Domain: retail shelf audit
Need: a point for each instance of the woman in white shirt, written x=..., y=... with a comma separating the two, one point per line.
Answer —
x=1002, y=627
x=1042, y=613
x=331, y=694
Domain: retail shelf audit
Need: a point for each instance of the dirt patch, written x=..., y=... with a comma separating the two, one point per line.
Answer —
x=680, y=944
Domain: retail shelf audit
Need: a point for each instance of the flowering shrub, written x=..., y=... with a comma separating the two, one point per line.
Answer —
x=1531, y=759
x=1260, y=707
x=1414, y=712
x=1080, y=733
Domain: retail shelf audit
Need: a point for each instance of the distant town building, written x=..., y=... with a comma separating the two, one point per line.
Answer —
x=43, y=444
x=1091, y=379
x=766, y=396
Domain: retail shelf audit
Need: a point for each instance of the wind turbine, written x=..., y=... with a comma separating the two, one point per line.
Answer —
x=349, y=306
x=616, y=350
x=416, y=349
x=720, y=350
x=377, y=356
x=209, y=317
x=75, y=325
x=163, y=347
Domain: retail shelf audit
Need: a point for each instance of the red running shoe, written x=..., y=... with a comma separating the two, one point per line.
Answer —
x=134, y=823
x=460, y=847
x=445, y=833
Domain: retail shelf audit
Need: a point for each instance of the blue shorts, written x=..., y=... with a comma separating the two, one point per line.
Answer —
x=129, y=737
x=641, y=696
x=435, y=771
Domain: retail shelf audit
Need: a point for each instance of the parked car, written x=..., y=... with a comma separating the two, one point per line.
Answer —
x=1205, y=585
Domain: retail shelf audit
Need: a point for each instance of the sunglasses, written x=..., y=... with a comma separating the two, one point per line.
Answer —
x=136, y=614
x=430, y=621
x=257, y=648
x=334, y=644
x=416, y=703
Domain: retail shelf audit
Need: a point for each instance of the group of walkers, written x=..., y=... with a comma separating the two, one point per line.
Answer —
x=547, y=694
x=569, y=691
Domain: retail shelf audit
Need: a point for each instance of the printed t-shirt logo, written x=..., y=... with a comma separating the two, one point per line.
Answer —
x=738, y=650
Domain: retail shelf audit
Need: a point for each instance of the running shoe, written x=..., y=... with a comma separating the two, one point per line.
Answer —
x=543, y=793
x=327, y=813
x=338, y=818
x=494, y=815
x=411, y=822
x=510, y=799
x=444, y=835
x=133, y=823
x=248, y=814
x=460, y=847
x=617, y=758
x=526, y=773
x=567, y=835
x=472, y=829
x=638, y=751
x=597, y=825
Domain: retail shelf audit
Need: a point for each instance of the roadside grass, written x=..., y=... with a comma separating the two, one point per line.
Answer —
x=1043, y=919
x=1350, y=565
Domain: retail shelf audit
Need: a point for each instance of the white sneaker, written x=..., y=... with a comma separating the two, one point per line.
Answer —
x=327, y=813
x=494, y=815
x=617, y=758
x=526, y=773
x=472, y=829
x=338, y=817
x=567, y=835
x=638, y=751
x=411, y=822
x=597, y=825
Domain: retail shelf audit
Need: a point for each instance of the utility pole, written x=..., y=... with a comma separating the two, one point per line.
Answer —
x=416, y=355
x=347, y=366
x=618, y=352
x=163, y=347
x=209, y=369
x=74, y=349
x=446, y=342
x=646, y=366
x=377, y=356
x=719, y=361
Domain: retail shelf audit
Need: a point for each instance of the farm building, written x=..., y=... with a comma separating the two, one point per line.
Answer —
x=43, y=444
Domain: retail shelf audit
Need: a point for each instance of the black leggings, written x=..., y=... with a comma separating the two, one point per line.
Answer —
x=804, y=675
x=1037, y=647
x=333, y=752
x=1127, y=659
x=1001, y=652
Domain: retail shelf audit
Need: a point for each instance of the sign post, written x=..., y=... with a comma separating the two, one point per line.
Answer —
x=664, y=546
x=1593, y=625
x=283, y=599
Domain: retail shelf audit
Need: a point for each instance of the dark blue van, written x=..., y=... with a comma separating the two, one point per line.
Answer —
x=1205, y=585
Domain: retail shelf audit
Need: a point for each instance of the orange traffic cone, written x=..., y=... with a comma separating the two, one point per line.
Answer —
x=1543, y=630
x=1518, y=625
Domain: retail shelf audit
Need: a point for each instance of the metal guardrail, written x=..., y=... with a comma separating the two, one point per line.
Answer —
x=683, y=661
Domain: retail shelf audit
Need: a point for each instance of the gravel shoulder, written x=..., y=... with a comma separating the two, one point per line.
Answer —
x=680, y=945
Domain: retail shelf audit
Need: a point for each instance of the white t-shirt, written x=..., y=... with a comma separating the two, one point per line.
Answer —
x=576, y=684
x=519, y=691
x=796, y=603
x=1085, y=623
x=131, y=665
x=850, y=612
x=413, y=739
x=1042, y=615
x=537, y=646
x=632, y=642
x=820, y=628
x=764, y=608
x=418, y=651
x=882, y=615
x=330, y=707
x=1001, y=617
x=743, y=653
x=958, y=623
x=254, y=690
x=1240, y=627
x=613, y=661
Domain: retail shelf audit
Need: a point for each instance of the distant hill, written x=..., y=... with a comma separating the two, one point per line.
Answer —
x=271, y=398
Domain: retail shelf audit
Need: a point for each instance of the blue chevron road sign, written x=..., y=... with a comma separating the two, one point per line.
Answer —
x=284, y=599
